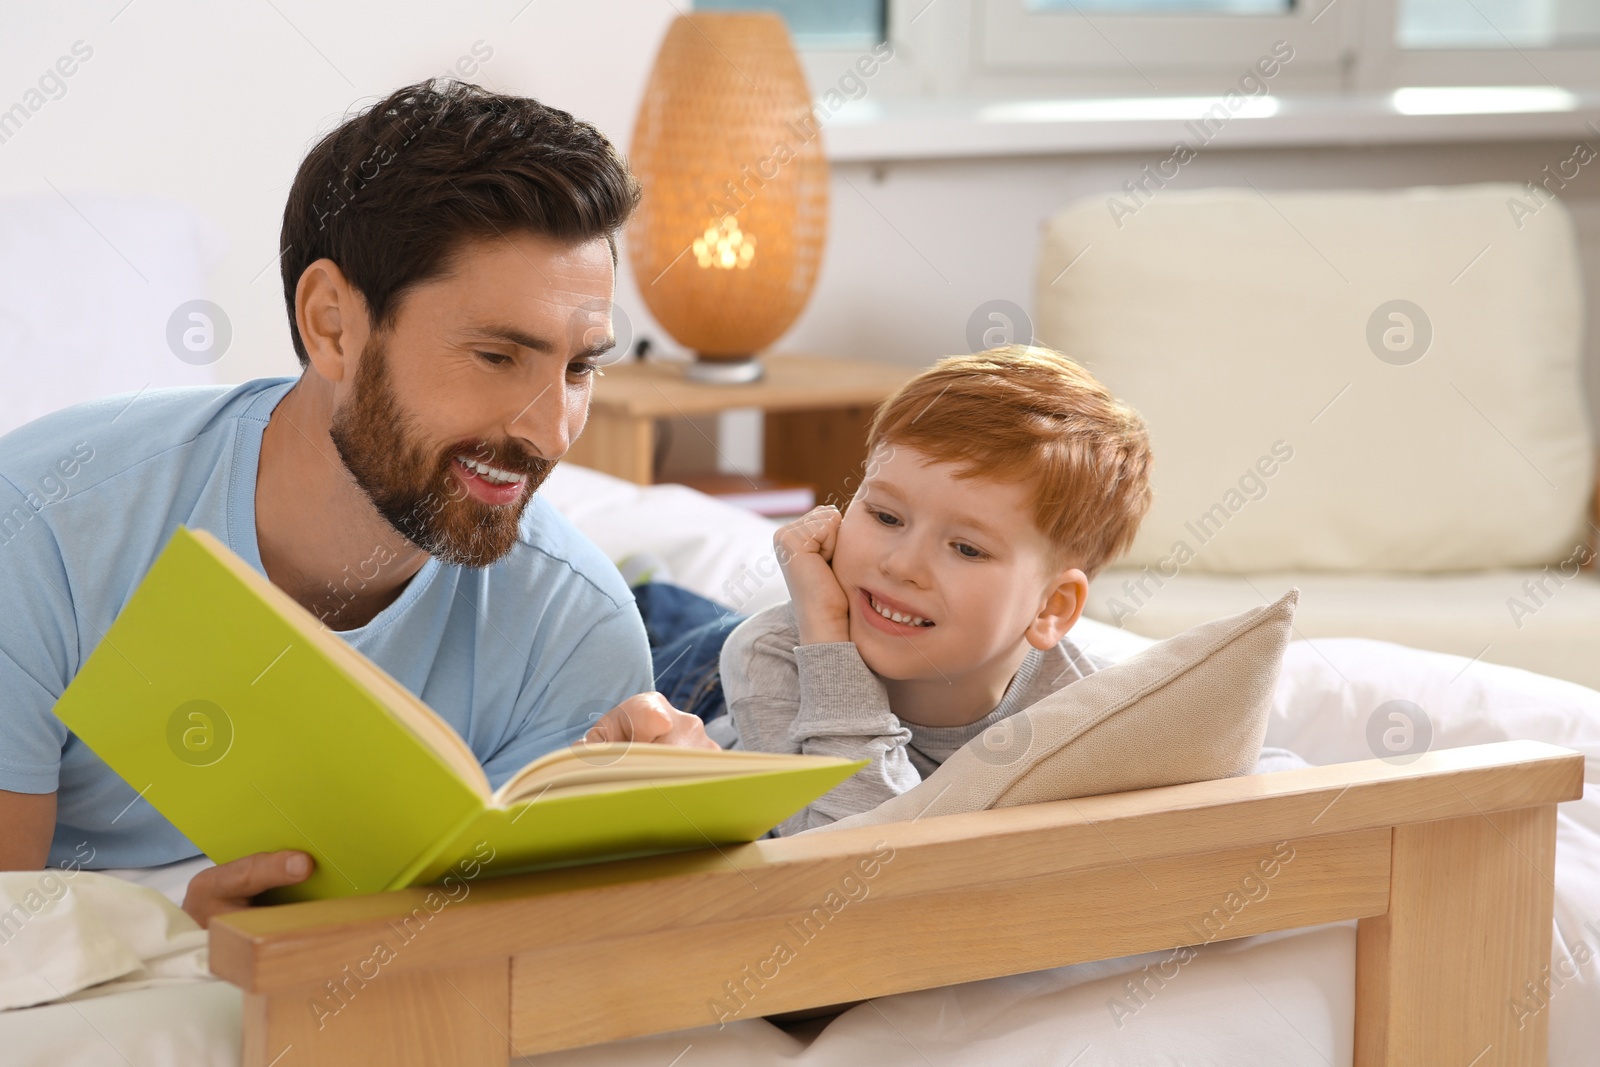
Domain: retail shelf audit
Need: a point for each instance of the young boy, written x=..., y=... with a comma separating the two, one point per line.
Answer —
x=939, y=602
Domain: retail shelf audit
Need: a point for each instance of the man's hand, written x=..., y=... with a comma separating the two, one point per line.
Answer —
x=805, y=552
x=229, y=886
x=648, y=717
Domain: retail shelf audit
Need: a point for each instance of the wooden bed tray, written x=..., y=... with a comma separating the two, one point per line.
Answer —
x=1448, y=862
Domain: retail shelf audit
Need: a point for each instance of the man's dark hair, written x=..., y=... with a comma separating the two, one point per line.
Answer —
x=392, y=193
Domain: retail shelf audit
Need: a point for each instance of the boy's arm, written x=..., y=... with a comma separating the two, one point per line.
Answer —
x=804, y=688
x=819, y=700
x=844, y=711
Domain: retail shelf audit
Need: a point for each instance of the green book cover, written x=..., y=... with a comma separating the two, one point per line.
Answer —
x=253, y=728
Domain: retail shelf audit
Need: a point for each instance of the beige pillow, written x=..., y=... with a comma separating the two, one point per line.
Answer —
x=1284, y=302
x=1190, y=709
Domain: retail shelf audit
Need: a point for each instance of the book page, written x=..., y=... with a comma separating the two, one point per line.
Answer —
x=619, y=764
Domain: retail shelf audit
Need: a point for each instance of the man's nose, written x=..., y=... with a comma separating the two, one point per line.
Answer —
x=542, y=422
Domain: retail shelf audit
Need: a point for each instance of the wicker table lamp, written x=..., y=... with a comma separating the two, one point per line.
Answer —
x=727, y=240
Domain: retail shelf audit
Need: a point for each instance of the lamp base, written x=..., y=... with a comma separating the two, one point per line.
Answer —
x=724, y=371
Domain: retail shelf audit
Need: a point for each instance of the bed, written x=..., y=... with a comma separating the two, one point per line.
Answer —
x=1415, y=902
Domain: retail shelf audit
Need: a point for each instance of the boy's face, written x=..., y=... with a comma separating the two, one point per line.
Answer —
x=959, y=559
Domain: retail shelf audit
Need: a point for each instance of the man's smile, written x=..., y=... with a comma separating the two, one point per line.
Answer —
x=491, y=485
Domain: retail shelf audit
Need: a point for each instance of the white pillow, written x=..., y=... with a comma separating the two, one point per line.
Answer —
x=68, y=930
x=1333, y=688
x=710, y=547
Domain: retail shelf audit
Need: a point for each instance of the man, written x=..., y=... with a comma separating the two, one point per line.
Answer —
x=448, y=259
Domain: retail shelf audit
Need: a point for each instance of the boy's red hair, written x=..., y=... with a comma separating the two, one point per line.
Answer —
x=1032, y=416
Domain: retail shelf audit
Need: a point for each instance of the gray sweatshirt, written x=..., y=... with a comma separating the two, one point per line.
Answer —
x=823, y=700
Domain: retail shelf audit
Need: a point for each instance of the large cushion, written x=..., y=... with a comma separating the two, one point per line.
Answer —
x=1293, y=427
x=1540, y=620
x=1189, y=709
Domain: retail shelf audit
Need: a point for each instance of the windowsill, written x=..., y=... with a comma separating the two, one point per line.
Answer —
x=877, y=130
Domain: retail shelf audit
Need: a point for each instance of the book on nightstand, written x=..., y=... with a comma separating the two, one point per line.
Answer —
x=771, y=497
x=253, y=728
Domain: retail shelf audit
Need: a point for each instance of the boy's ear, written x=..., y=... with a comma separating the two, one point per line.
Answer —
x=1063, y=603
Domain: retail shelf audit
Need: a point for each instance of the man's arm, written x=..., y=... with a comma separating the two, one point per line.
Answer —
x=30, y=822
x=38, y=657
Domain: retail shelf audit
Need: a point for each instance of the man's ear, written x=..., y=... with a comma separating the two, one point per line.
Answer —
x=1063, y=603
x=332, y=317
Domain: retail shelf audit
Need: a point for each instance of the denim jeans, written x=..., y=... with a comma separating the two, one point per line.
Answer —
x=686, y=632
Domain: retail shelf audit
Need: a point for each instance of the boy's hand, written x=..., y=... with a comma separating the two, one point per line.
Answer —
x=805, y=551
x=229, y=886
x=649, y=717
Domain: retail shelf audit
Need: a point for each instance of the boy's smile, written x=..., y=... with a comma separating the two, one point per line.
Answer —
x=892, y=616
x=949, y=582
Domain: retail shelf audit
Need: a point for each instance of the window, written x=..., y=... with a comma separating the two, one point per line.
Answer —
x=1020, y=50
x=1534, y=43
x=1163, y=47
x=1498, y=23
x=1151, y=7
x=832, y=37
x=819, y=24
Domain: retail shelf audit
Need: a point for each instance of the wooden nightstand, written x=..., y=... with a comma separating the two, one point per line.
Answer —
x=816, y=414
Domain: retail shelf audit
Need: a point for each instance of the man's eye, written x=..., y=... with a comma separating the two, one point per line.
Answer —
x=494, y=359
x=584, y=369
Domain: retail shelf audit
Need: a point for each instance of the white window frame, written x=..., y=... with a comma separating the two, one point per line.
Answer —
x=998, y=49
x=1385, y=65
x=1158, y=54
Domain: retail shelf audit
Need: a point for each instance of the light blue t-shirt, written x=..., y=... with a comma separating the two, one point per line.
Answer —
x=519, y=657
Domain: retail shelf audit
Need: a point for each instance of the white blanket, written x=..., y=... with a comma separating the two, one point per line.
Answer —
x=1274, y=1000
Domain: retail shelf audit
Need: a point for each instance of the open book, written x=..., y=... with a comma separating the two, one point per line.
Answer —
x=253, y=728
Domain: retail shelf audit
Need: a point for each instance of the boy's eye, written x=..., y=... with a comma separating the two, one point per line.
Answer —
x=883, y=517
x=969, y=551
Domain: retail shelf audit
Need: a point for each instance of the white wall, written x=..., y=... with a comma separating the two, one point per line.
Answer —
x=915, y=247
x=215, y=105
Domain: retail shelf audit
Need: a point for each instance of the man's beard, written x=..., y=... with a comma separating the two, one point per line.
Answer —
x=410, y=483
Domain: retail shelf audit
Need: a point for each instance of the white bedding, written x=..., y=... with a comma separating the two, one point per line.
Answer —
x=712, y=548
x=1275, y=1000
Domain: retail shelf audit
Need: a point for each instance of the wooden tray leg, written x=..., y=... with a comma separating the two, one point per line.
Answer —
x=1440, y=978
x=421, y=1018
